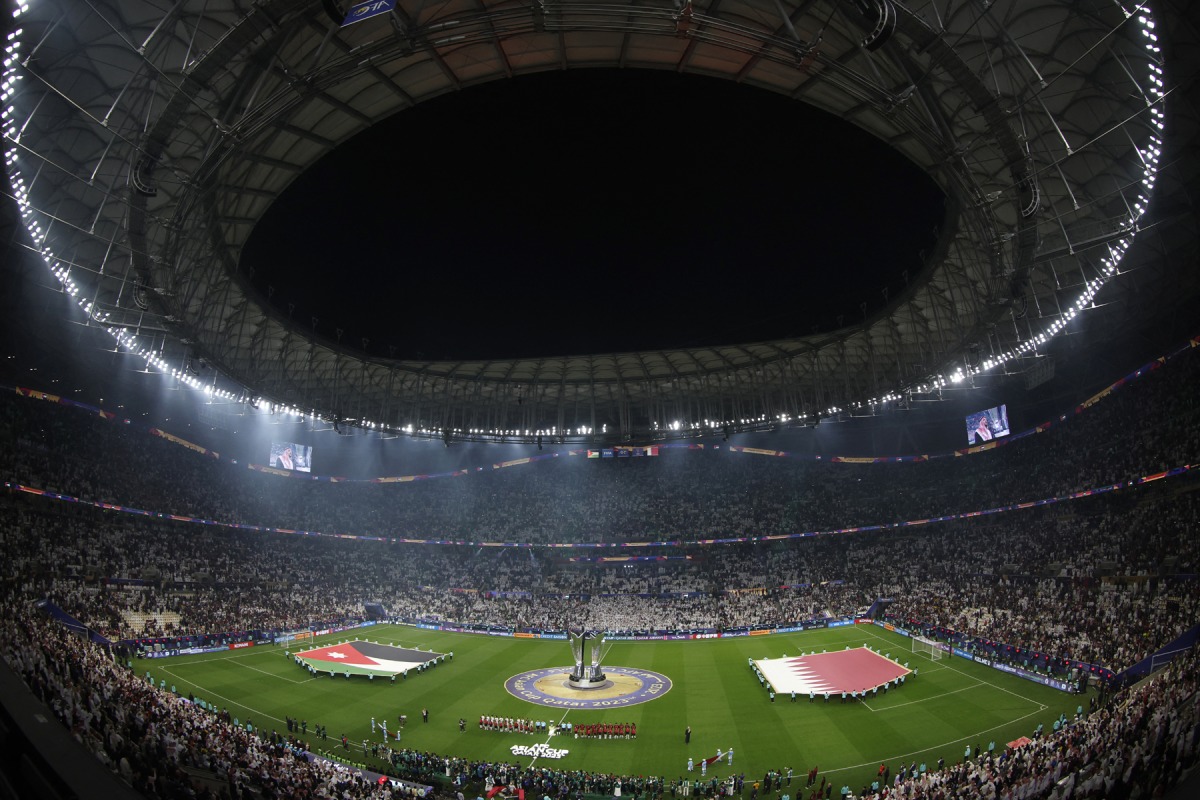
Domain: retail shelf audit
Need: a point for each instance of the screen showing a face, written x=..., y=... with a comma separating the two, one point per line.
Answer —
x=289, y=455
x=983, y=426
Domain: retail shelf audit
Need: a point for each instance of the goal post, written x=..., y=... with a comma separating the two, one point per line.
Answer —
x=927, y=647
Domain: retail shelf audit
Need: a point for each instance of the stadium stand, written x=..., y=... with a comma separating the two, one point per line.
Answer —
x=1139, y=430
x=1101, y=580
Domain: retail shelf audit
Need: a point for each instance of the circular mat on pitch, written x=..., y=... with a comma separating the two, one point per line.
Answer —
x=624, y=686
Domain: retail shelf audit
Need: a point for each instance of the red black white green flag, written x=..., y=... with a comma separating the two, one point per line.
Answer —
x=365, y=658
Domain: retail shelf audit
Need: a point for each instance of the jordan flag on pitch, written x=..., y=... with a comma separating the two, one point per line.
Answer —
x=365, y=658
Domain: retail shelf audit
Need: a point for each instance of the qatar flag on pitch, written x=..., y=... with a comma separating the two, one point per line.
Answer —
x=857, y=670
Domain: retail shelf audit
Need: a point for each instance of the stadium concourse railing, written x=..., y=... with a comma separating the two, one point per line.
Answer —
x=1158, y=659
x=56, y=613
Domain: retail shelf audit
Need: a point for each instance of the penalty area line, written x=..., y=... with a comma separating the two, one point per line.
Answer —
x=247, y=654
x=1041, y=706
x=935, y=668
x=975, y=685
x=273, y=675
x=236, y=661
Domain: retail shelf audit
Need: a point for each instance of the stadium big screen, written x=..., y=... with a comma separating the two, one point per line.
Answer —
x=986, y=425
x=289, y=455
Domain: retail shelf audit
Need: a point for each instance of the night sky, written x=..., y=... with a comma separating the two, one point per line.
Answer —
x=593, y=211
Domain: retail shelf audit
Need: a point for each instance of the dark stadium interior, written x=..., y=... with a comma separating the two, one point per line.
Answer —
x=626, y=210
x=692, y=216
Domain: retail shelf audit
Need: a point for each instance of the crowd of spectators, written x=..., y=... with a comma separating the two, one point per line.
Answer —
x=1142, y=429
x=152, y=738
x=539, y=780
x=1137, y=747
x=1104, y=580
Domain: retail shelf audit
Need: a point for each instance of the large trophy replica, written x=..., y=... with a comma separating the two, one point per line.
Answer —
x=589, y=676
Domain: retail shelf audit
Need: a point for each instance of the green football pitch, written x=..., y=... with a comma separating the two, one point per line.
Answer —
x=951, y=704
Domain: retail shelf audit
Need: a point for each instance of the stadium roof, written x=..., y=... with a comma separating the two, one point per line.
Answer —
x=146, y=139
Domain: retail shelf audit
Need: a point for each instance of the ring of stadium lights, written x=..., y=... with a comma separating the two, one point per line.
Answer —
x=606, y=17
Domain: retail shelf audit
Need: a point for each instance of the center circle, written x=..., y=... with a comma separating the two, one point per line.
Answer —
x=624, y=686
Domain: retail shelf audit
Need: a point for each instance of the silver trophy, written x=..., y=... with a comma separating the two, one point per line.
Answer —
x=576, y=639
x=590, y=648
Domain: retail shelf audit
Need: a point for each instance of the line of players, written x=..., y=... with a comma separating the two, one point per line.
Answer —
x=598, y=730
x=607, y=730
x=510, y=725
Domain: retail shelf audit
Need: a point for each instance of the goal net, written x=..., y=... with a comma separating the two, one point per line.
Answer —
x=928, y=647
